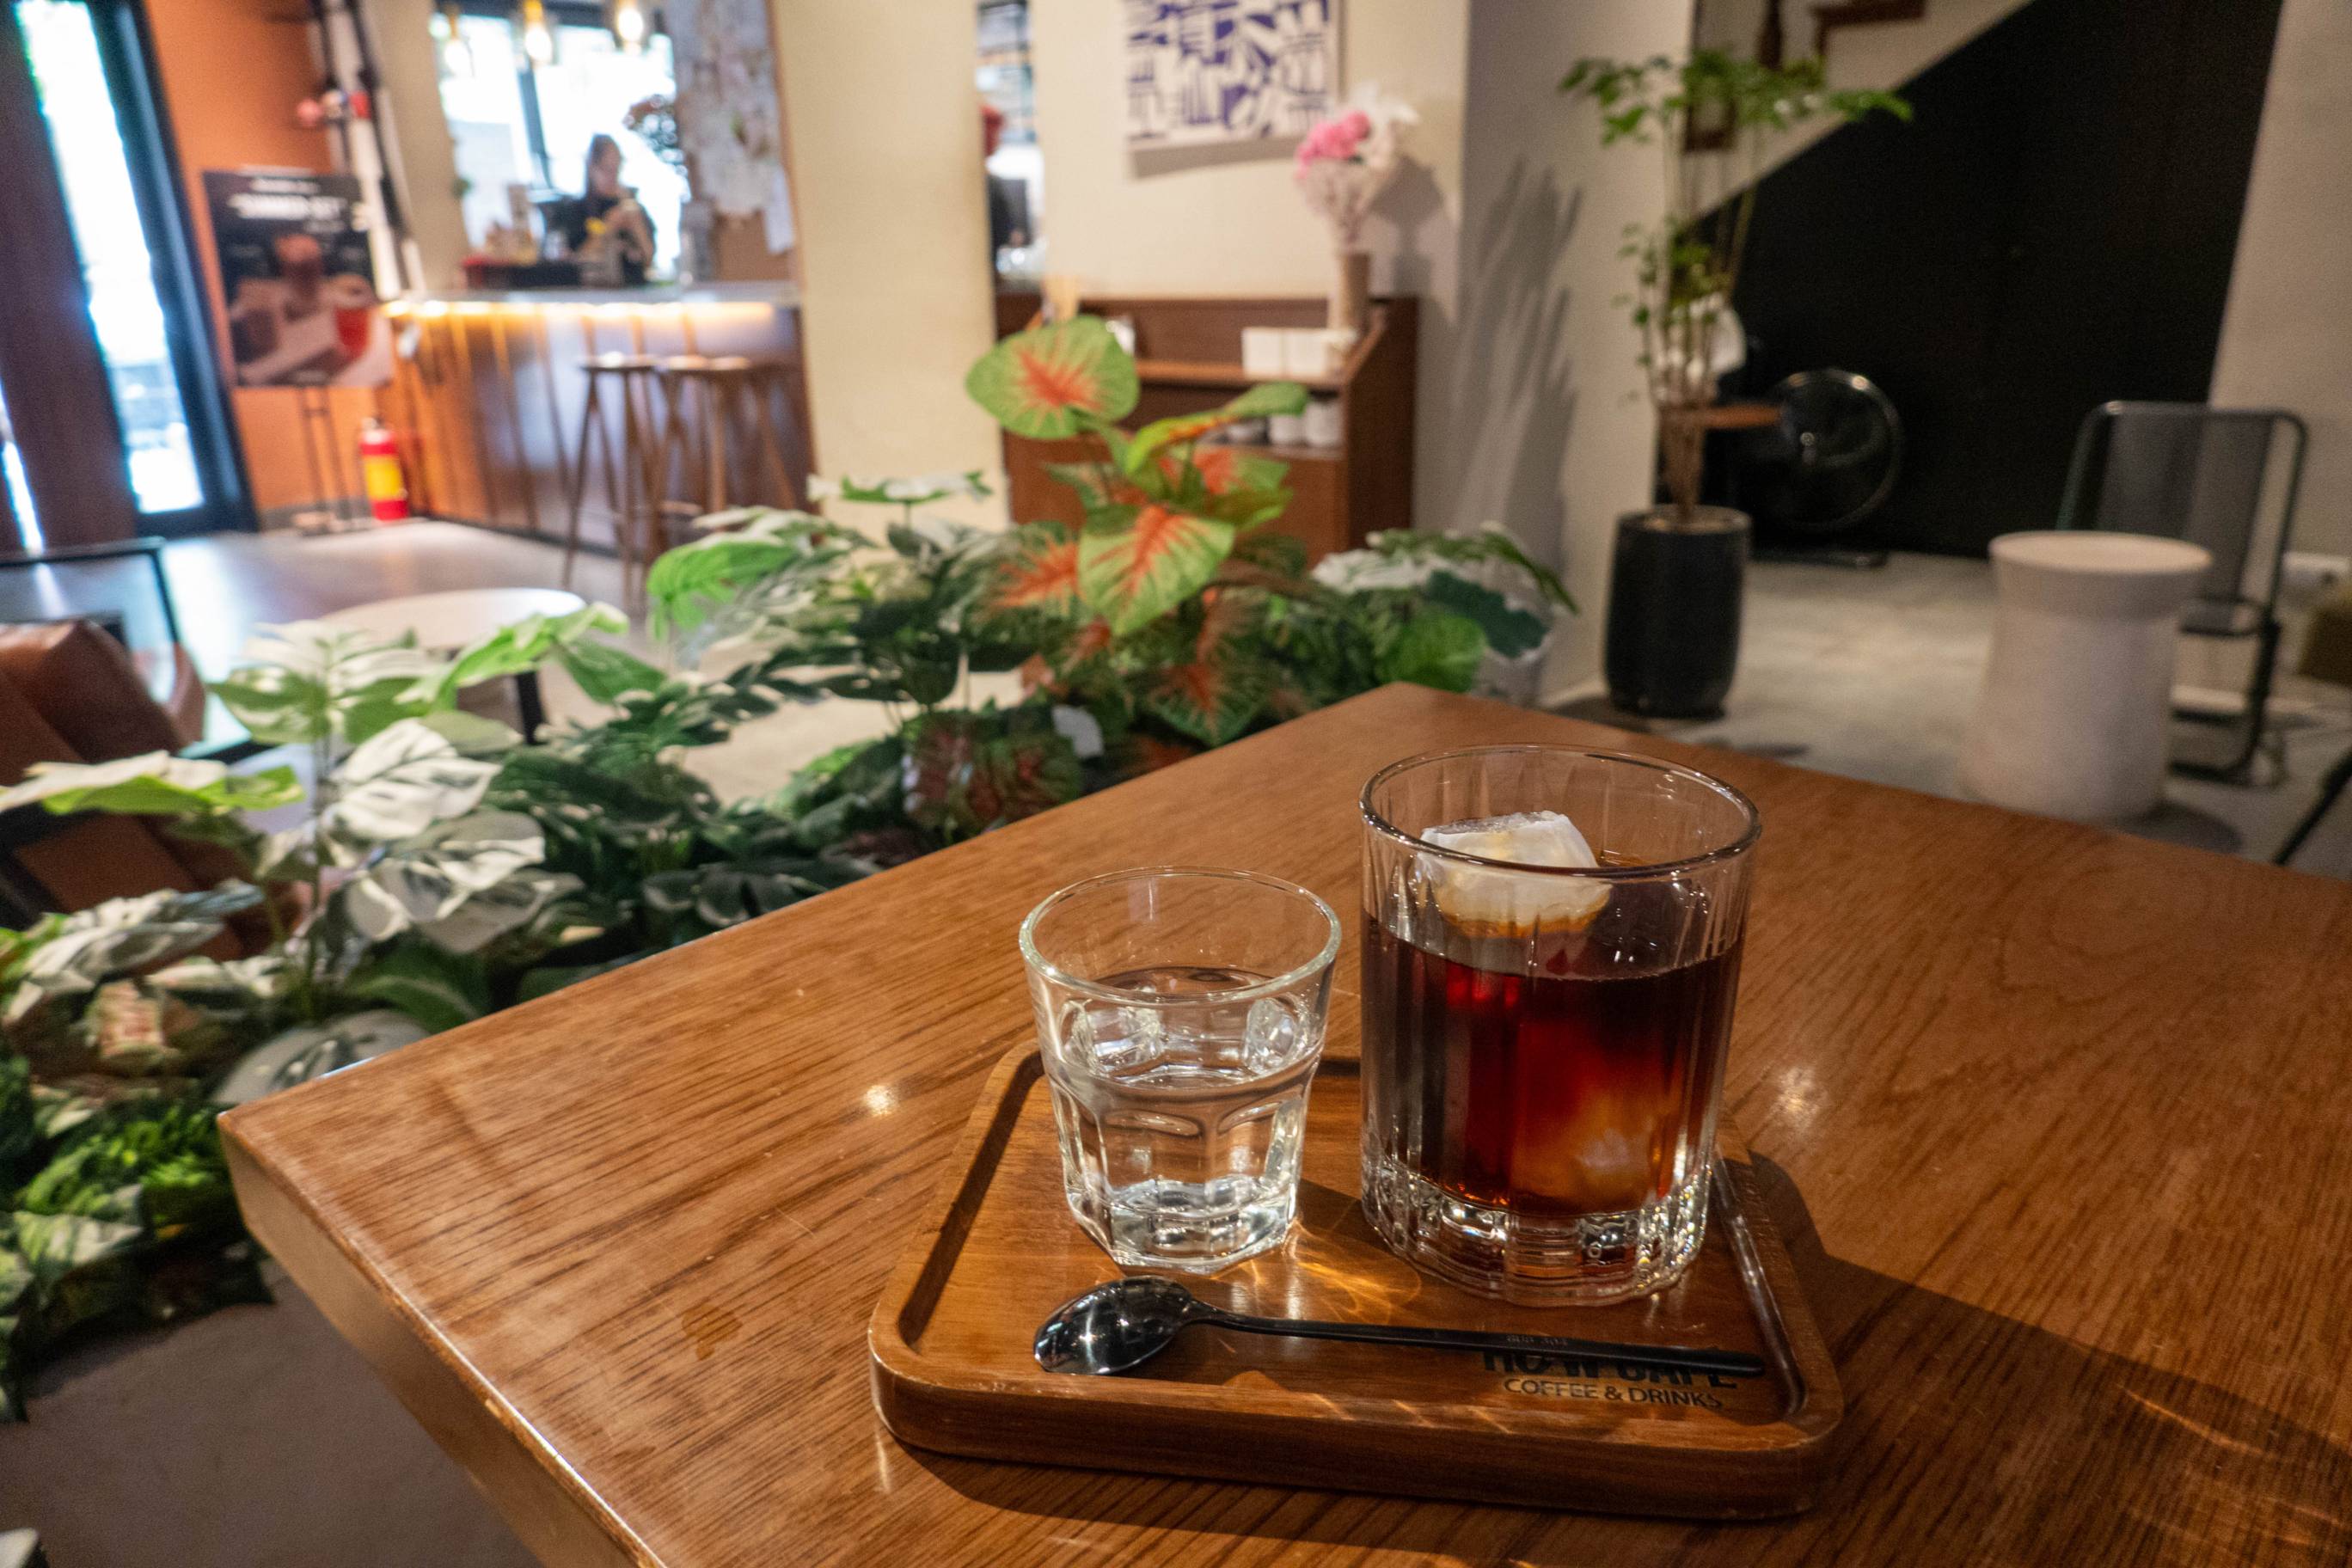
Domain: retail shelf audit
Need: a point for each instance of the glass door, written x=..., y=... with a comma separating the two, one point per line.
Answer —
x=88, y=61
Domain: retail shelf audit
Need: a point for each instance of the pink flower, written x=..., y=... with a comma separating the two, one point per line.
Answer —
x=1335, y=139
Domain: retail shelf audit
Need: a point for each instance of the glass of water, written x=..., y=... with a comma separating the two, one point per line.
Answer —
x=1180, y=1015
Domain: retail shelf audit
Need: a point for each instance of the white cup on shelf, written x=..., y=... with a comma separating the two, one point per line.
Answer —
x=1265, y=352
x=1286, y=429
x=1321, y=421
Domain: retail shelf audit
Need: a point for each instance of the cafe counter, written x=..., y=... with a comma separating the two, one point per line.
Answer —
x=490, y=398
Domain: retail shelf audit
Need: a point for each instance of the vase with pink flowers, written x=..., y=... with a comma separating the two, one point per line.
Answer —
x=1343, y=164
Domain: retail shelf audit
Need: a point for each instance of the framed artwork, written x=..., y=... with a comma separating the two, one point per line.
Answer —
x=1204, y=71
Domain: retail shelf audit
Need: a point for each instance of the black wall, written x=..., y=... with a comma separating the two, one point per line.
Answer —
x=2055, y=228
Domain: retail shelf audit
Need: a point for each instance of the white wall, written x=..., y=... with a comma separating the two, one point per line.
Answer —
x=882, y=124
x=2285, y=338
x=1228, y=220
x=1532, y=407
x=1529, y=411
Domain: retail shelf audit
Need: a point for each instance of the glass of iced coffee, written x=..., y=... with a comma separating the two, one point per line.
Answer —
x=1551, y=949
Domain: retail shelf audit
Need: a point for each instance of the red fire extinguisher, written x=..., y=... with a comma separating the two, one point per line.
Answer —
x=380, y=472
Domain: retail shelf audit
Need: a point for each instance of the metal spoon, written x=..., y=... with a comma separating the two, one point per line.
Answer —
x=1125, y=1323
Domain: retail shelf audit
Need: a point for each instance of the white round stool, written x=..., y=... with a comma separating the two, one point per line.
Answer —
x=2072, y=719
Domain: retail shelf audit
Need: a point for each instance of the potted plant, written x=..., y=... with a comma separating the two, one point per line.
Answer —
x=1678, y=571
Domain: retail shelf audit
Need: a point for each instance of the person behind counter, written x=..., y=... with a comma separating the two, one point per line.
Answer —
x=607, y=214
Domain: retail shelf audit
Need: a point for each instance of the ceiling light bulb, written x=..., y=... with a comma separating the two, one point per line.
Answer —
x=629, y=24
x=537, y=40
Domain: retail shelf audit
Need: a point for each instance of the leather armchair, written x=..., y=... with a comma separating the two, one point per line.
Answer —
x=70, y=693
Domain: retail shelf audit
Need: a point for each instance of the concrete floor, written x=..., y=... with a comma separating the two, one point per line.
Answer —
x=1872, y=674
x=257, y=1437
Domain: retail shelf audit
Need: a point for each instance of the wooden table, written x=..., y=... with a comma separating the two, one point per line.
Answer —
x=2059, y=1117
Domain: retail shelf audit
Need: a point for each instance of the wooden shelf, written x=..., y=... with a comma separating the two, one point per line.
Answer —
x=1284, y=454
x=1198, y=373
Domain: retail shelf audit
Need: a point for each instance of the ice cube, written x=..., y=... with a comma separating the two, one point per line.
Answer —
x=1113, y=1041
x=1491, y=901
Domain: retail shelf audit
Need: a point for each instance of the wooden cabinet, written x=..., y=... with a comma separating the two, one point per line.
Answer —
x=1188, y=358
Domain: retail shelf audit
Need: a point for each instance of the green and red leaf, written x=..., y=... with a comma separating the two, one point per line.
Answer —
x=1137, y=562
x=1041, y=573
x=967, y=773
x=1211, y=699
x=1056, y=381
x=1097, y=487
x=1265, y=398
x=1224, y=469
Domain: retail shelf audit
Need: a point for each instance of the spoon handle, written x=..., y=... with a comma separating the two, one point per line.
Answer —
x=1734, y=1364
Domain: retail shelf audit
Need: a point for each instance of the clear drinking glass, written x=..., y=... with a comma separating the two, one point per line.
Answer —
x=1544, y=1043
x=1181, y=1014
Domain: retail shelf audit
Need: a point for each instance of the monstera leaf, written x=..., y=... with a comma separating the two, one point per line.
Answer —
x=305, y=680
x=87, y=948
x=437, y=988
x=1268, y=397
x=1040, y=573
x=1137, y=562
x=685, y=584
x=521, y=647
x=315, y=1051
x=155, y=784
x=1053, y=382
x=607, y=673
x=413, y=774
x=459, y=883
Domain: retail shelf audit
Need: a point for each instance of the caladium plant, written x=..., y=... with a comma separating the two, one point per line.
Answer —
x=1162, y=518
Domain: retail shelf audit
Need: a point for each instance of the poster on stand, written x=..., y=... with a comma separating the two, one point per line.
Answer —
x=297, y=279
x=1205, y=71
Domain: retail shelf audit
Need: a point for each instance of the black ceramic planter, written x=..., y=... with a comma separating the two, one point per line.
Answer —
x=1673, y=611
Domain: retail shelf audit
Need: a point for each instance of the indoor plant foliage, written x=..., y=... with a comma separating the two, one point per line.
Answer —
x=439, y=870
x=1687, y=263
x=1171, y=620
x=1677, y=577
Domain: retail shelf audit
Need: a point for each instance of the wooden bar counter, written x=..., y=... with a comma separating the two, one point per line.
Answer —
x=488, y=390
x=2054, y=1121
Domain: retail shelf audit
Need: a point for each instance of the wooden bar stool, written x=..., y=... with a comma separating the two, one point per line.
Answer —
x=632, y=484
x=720, y=407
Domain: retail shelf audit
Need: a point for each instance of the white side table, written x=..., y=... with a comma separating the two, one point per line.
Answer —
x=2072, y=717
x=447, y=622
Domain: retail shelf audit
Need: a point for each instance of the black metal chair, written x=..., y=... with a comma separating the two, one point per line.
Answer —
x=2225, y=480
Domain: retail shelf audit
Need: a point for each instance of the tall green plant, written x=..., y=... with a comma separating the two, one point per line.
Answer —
x=1687, y=263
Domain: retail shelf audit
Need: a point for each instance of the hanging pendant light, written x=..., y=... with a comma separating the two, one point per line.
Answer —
x=538, y=38
x=457, y=58
x=628, y=20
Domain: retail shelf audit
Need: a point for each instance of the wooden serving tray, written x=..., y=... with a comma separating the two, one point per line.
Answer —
x=952, y=1367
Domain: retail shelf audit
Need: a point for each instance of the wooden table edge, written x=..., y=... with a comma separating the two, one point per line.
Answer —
x=557, y=1516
